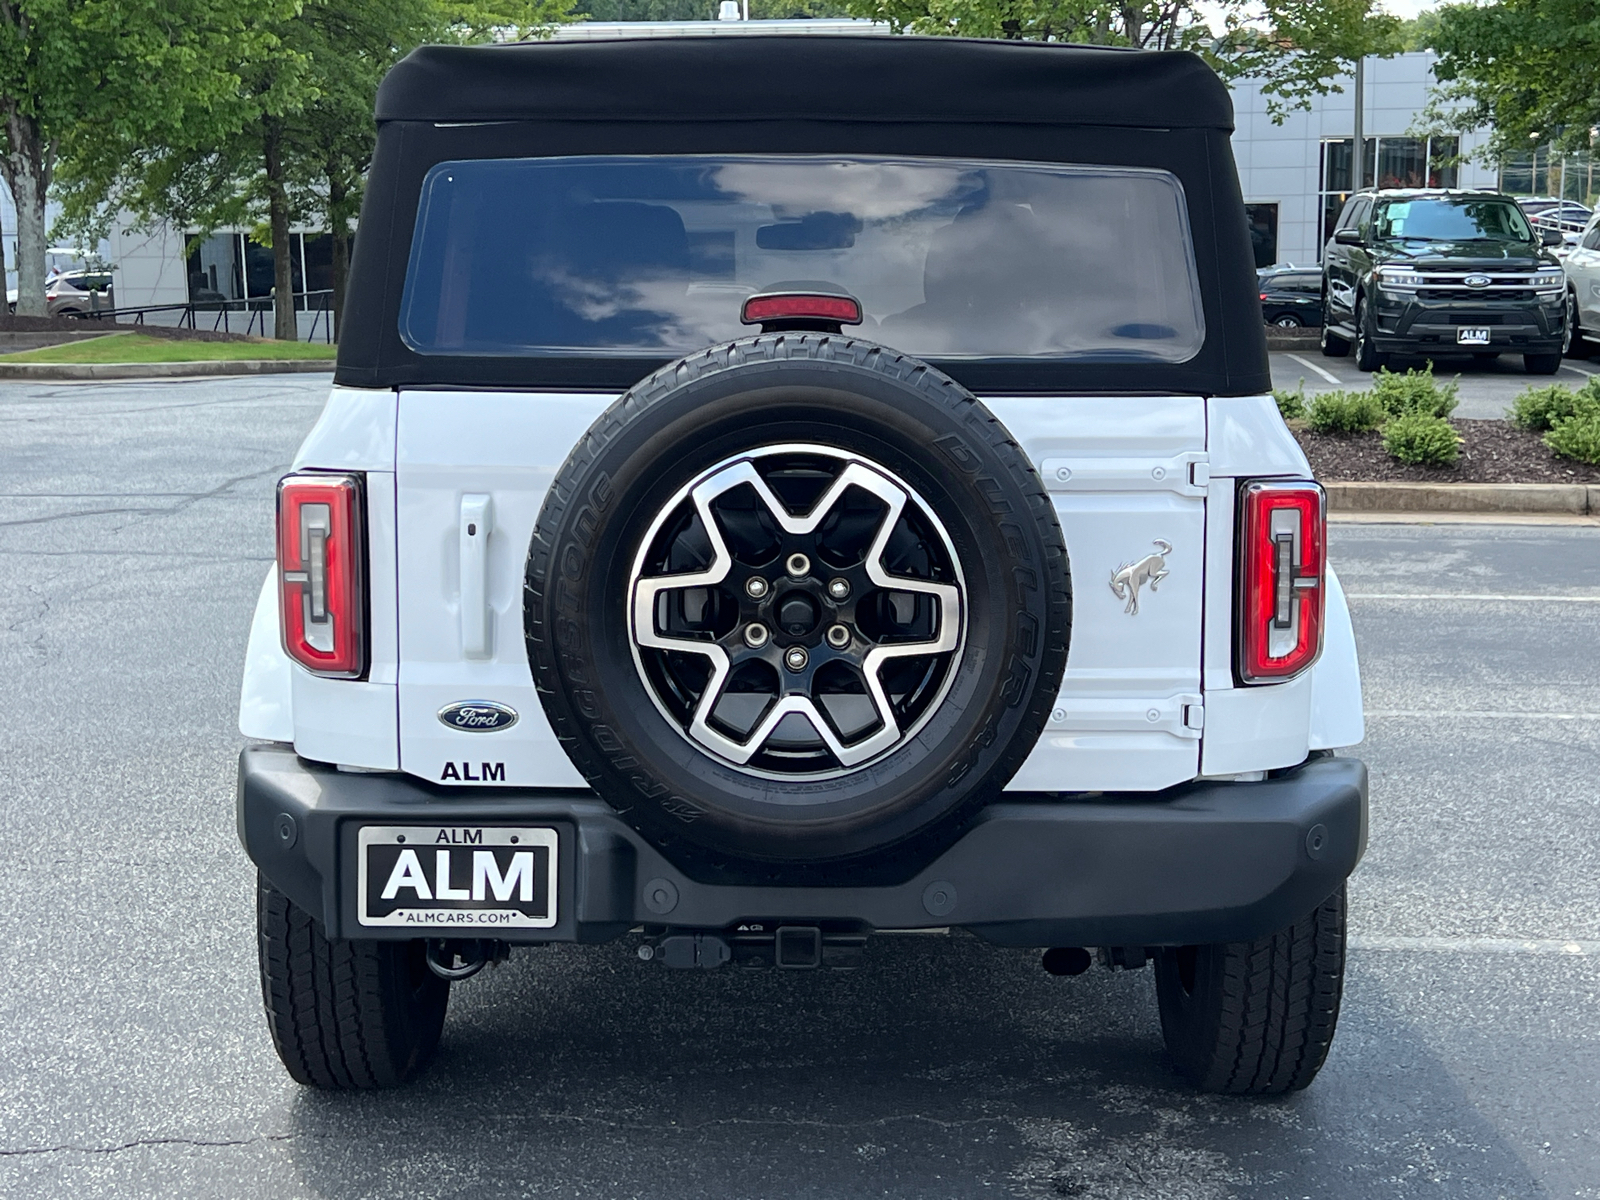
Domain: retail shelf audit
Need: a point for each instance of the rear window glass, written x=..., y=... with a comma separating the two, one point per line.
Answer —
x=654, y=256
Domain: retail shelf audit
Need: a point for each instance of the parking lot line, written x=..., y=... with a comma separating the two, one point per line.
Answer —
x=1457, y=945
x=1311, y=366
x=1508, y=596
x=1570, y=367
x=1434, y=714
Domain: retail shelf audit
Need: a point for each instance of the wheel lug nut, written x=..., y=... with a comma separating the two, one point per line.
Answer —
x=798, y=566
x=755, y=634
x=795, y=658
x=838, y=637
x=755, y=587
x=839, y=588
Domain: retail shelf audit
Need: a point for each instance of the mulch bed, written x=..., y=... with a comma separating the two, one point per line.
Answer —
x=1491, y=452
x=11, y=323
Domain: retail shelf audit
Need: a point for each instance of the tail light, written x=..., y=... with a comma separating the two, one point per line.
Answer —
x=321, y=549
x=782, y=306
x=1282, y=558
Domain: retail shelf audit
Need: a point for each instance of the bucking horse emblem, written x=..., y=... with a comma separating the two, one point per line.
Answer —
x=1127, y=579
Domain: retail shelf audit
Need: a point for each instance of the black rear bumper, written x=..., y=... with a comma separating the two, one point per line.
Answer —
x=1206, y=862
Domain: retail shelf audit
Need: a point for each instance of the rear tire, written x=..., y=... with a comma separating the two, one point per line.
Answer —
x=1541, y=364
x=1572, y=343
x=1287, y=321
x=1256, y=1018
x=344, y=1014
x=1333, y=346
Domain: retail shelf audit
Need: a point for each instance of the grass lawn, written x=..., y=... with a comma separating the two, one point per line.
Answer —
x=137, y=348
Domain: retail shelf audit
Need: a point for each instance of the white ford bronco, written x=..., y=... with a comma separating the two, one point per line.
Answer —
x=780, y=490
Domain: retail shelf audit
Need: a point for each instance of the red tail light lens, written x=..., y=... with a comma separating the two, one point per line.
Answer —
x=1283, y=539
x=778, y=306
x=321, y=550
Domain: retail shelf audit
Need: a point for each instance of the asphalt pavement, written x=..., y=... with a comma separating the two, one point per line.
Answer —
x=135, y=528
x=1486, y=389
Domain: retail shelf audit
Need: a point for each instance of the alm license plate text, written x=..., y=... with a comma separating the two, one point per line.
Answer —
x=1472, y=336
x=457, y=877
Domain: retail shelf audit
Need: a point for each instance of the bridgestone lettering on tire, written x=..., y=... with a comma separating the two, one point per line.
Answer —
x=797, y=600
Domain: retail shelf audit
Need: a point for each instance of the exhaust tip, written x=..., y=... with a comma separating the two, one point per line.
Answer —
x=1066, y=960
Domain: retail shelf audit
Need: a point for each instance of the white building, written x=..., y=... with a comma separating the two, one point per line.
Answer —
x=1295, y=177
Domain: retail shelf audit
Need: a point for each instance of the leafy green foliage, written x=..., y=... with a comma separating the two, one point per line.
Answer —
x=1345, y=412
x=1577, y=436
x=1422, y=439
x=1294, y=48
x=1291, y=405
x=1539, y=409
x=1414, y=392
x=1527, y=70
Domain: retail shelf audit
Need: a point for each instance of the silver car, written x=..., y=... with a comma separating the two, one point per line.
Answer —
x=1582, y=265
x=74, y=292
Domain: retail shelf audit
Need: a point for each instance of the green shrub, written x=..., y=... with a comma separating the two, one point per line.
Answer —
x=1414, y=392
x=1577, y=436
x=1421, y=438
x=1345, y=412
x=1291, y=404
x=1542, y=408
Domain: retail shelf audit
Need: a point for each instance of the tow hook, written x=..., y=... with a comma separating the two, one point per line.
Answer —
x=462, y=958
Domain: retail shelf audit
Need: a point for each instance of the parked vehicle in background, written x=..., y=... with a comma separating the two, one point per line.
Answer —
x=76, y=292
x=1566, y=217
x=1291, y=298
x=1582, y=268
x=1440, y=271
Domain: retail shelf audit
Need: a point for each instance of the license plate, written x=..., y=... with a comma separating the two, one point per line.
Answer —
x=1466, y=336
x=457, y=877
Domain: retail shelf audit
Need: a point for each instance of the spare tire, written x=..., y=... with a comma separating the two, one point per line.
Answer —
x=797, y=600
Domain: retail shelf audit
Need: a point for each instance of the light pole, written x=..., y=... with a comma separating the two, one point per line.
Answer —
x=1359, y=167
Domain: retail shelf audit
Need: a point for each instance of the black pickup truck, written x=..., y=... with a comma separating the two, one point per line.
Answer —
x=1437, y=271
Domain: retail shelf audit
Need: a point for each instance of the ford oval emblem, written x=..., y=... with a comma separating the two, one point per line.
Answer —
x=478, y=716
x=1477, y=281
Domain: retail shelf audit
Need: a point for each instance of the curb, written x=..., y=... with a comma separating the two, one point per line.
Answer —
x=174, y=370
x=1576, y=499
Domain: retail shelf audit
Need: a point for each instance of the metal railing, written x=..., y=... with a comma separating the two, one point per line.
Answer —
x=256, y=314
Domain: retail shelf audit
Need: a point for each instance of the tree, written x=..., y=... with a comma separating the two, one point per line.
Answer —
x=1528, y=70
x=71, y=66
x=297, y=134
x=1295, y=47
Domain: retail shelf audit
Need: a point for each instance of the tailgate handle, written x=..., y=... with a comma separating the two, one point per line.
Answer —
x=477, y=619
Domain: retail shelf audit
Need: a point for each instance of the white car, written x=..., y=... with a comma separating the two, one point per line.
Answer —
x=1582, y=267
x=777, y=491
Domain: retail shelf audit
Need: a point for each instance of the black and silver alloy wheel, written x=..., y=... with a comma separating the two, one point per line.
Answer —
x=797, y=603
x=1572, y=333
x=820, y=624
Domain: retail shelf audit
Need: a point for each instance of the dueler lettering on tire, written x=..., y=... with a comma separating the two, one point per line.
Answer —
x=795, y=601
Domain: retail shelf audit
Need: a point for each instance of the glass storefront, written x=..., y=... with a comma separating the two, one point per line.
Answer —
x=234, y=268
x=1387, y=162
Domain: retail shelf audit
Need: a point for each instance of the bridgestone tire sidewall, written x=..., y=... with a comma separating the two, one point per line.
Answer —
x=777, y=389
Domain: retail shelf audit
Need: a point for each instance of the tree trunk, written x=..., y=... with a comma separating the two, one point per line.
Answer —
x=26, y=169
x=339, y=236
x=284, y=327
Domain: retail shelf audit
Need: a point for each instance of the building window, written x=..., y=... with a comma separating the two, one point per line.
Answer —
x=1263, y=220
x=235, y=268
x=1545, y=172
x=1387, y=162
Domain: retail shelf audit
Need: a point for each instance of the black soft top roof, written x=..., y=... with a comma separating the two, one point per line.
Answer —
x=872, y=95
x=839, y=77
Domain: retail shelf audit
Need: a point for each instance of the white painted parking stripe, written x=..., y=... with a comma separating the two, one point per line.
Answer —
x=1311, y=366
x=1465, y=945
x=1434, y=714
x=1504, y=596
x=1578, y=370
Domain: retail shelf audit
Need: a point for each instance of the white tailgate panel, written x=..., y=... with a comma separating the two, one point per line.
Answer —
x=456, y=446
x=1129, y=713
